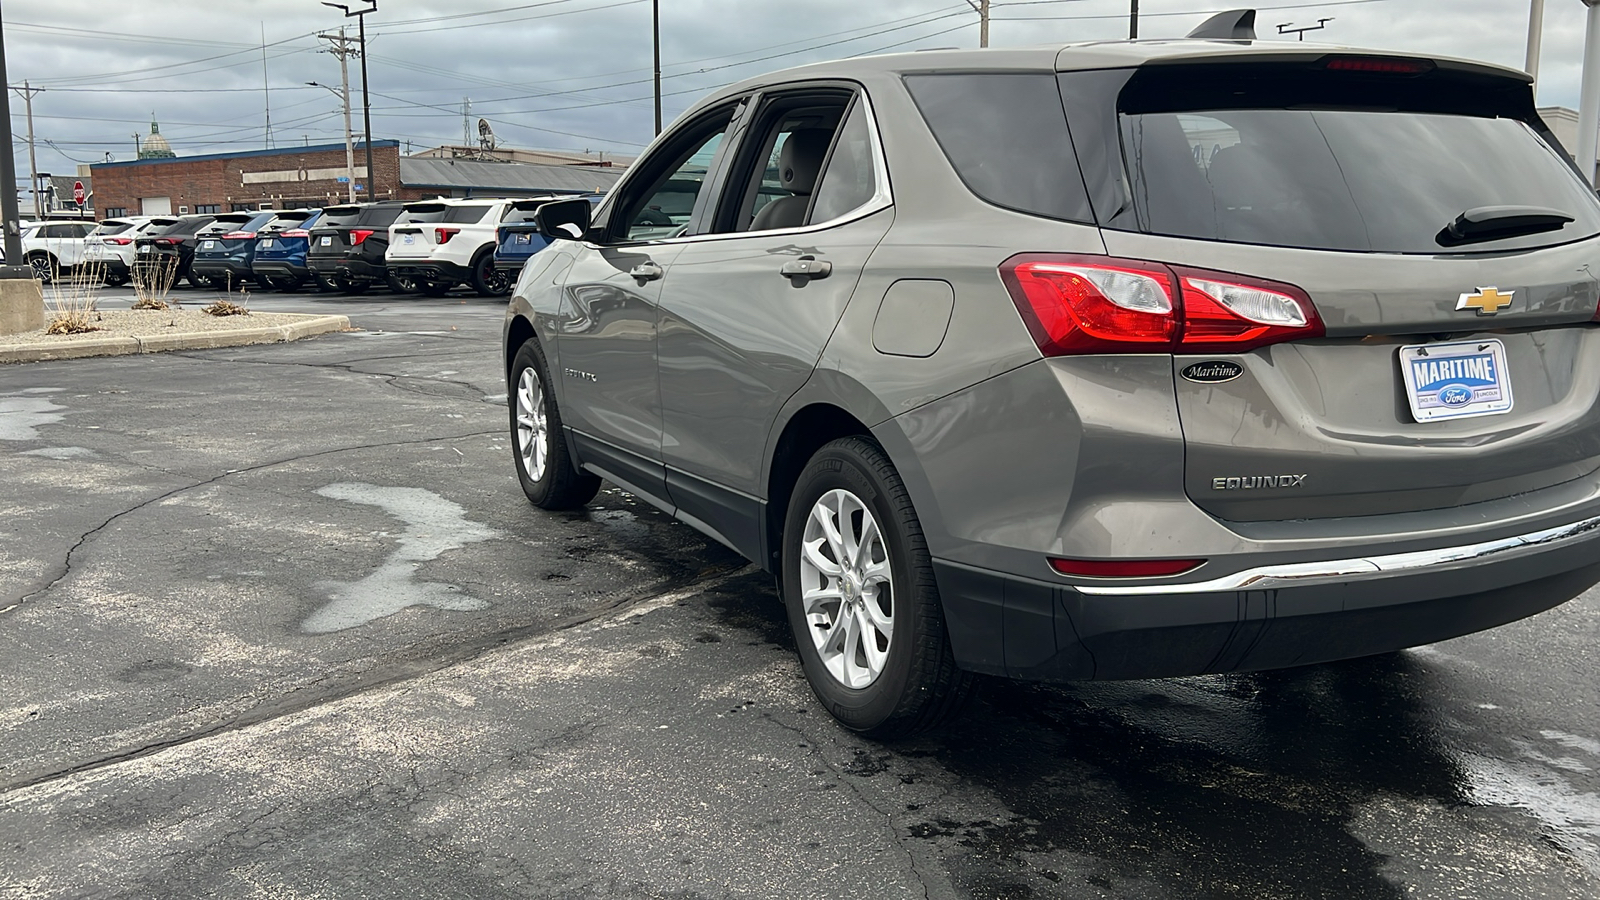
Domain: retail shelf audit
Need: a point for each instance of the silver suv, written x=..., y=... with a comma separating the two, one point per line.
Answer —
x=1117, y=360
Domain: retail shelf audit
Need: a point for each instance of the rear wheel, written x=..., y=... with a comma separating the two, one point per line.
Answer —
x=115, y=279
x=859, y=588
x=544, y=468
x=204, y=282
x=488, y=280
x=351, y=285
x=44, y=267
x=401, y=284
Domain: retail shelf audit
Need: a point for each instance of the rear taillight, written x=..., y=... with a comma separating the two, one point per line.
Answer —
x=443, y=235
x=358, y=235
x=1124, y=568
x=169, y=242
x=295, y=232
x=1096, y=304
x=237, y=235
x=119, y=241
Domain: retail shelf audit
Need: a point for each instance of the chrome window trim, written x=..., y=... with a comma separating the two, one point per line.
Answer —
x=1367, y=568
x=882, y=199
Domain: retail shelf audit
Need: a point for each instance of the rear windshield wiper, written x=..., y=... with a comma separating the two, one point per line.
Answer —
x=1491, y=223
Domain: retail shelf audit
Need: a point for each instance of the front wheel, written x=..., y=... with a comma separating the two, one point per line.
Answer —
x=859, y=588
x=488, y=280
x=544, y=468
x=401, y=284
x=434, y=288
x=44, y=268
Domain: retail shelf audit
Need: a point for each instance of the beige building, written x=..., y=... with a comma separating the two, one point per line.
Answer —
x=600, y=158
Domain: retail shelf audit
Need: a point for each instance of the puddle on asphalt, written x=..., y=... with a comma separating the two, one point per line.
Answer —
x=434, y=526
x=22, y=412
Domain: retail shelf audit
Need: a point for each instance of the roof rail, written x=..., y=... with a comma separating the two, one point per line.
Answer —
x=1232, y=25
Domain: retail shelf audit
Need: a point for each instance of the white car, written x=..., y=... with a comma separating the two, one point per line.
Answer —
x=52, y=248
x=439, y=244
x=111, y=244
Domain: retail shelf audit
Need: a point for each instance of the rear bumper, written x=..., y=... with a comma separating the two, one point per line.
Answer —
x=352, y=267
x=510, y=264
x=235, y=269
x=279, y=268
x=1269, y=618
x=431, y=271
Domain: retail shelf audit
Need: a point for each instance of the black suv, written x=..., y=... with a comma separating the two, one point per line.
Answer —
x=348, y=243
x=171, y=247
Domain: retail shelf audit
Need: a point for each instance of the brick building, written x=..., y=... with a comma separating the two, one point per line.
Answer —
x=281, y=178
x=297, y=177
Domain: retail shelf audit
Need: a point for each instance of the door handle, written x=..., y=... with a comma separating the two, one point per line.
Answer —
x=806, y=267
x=646, y=271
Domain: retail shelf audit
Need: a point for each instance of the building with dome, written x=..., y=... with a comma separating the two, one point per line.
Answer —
x=155, y=146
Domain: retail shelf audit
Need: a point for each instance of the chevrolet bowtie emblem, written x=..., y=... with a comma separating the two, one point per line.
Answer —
x=1487, y=301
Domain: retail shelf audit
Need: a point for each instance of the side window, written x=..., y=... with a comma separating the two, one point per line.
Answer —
x=663, y=208
x=778, y=174
x=851, y=177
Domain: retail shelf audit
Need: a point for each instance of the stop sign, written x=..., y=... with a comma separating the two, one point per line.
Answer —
x=78, y=196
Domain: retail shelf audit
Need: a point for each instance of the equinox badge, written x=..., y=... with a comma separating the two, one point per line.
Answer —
x=1256, y=482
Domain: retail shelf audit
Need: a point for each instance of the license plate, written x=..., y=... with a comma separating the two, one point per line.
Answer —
x=325, y=241
x=522, y=238
x=408, y=240
x=1457, y=380
x=144, y=249
x=208, y=245
x=266, y=242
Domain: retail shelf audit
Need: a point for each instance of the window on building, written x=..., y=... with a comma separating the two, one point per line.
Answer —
x=242, y=207
x=116, y=212
x=212, y=208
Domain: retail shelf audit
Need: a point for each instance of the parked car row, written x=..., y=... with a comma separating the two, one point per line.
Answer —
x=431, y=246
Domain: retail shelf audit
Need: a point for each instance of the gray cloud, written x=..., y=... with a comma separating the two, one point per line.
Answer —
x=575, y=74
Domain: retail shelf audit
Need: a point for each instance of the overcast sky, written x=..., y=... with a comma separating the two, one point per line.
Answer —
x=575, y=74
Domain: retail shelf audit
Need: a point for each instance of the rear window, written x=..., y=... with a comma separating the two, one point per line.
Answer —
x=375, y=216
x=1006, y=136
x=465, y=215
x=337, y=216
x=111, y=226
x=1342, y=179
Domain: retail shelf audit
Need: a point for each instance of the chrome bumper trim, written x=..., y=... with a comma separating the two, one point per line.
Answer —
x=1338, y=571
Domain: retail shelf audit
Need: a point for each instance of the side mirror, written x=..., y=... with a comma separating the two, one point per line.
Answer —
x=566, y=220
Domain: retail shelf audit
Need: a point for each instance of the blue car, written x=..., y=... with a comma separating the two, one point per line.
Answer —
x=518, y=237
x=224, y=248
x=280, y=257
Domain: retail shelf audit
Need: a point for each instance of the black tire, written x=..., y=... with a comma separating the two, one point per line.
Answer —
x=325, y=284
x=561, y=485
x=267, y=283
x=401, y=284
x=44, y=267
x=487, y=280
x=201, y=282
x=351, y=285
x=434, y=288
x=919, y=686
x=116, y=279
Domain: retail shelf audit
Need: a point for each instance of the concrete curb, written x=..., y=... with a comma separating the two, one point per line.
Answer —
x=193, y=340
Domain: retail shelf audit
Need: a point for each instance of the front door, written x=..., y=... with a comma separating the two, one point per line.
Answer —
x=747, y=309
x=606, y=331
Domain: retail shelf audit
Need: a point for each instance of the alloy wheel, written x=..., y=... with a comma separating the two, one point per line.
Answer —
x=533, y=433
x=847, y=588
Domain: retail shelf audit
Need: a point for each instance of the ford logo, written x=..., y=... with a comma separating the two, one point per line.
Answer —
x=1455, y=395
x=1213, y=371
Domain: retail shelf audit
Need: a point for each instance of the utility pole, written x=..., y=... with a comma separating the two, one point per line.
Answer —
x=1589, y=98
x=466, y=116
x=8, y=181
x=26, y=93
x=266, y=90
x=1535, y=36
x=1133, y=22
x=341, y=49
x=366, y=100
x=655, y=34
x=981, y=7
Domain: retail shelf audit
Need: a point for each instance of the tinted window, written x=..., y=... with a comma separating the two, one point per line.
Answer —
x=1342, y=179
x=111, y=227
x=850, y=178
x=340, y=215
x=379, y=216
x=465, y=215
x=1006, y=136
x=663, y=208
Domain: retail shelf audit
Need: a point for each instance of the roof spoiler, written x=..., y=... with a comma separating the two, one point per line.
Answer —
x=1232, y=25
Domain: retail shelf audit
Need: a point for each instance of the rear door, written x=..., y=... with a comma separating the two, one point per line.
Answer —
x=415, y=231
x=750, y=302
x=1457, y=364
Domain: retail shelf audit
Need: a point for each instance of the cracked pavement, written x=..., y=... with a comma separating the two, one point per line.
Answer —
x=605, y=704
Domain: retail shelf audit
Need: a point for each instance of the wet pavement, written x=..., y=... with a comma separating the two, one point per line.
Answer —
x=276, y=621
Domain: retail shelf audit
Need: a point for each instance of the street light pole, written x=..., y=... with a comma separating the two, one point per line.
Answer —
x=1535, y=36
x=349, y=142
x=366, y=100
x=655, y=32
x=8, y=173
x=1589, y=98
x=1133, y=21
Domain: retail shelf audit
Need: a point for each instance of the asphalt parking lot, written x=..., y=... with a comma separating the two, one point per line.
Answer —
x=275, y=621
